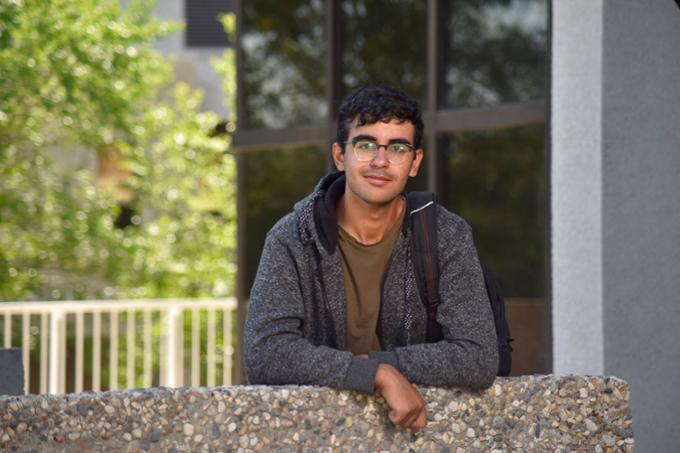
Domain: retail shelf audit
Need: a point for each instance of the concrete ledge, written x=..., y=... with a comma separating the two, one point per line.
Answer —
x=563, y=413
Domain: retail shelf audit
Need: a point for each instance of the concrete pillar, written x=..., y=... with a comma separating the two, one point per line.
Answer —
x=616, y=202
x=576, y=187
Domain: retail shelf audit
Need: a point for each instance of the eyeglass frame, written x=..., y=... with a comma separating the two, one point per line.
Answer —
x=356, y=140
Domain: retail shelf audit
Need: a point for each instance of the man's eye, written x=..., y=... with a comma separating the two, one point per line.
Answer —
x=398, y=148
x=365, y=145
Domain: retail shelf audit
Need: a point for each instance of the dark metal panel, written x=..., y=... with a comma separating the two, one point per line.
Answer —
x=548, y=172
x=254, y=139
x=203, y=29
x=333, y=71
x=333, y=60
x=431, y=151
x=493, y=117
x=240, y=91
x=239, y=375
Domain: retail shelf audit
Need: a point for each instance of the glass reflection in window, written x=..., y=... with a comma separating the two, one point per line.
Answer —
x=495, y=51
x=384, y=41
x=284, y=60
x=496, y=181
x=273, y=181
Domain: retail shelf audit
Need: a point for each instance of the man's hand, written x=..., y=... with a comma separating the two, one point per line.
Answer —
x=407, y=407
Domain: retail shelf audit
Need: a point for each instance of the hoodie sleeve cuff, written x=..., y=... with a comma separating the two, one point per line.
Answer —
x=361, y=375
x=388, y=357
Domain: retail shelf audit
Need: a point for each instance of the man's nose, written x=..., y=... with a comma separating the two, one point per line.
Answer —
x=380, y=158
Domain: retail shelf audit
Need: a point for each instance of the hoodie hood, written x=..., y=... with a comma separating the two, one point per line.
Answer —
x=317, y=219
x=316, y=213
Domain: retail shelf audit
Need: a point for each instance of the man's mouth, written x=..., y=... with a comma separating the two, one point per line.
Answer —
x=377, y=179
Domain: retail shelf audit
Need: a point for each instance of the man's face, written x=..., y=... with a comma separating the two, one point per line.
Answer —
x=377, y=181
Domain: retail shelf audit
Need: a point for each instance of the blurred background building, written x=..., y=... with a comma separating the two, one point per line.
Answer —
x=203, y=38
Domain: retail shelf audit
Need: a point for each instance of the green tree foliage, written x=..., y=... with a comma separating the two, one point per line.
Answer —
x=81, y=82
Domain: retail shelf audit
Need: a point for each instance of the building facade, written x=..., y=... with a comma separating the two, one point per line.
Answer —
x=550, y=127
x=480, y=71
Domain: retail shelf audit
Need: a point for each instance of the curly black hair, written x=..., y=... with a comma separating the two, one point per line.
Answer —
x=371, y=104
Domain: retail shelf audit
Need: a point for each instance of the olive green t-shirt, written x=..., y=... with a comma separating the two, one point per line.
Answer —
x=363, y=267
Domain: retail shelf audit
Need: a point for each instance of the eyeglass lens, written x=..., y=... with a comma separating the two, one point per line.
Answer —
x=367, y=150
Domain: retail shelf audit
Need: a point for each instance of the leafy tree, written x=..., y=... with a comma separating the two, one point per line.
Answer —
x=82, y=83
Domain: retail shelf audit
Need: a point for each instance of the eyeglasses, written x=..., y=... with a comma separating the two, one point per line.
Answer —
x=367, y=150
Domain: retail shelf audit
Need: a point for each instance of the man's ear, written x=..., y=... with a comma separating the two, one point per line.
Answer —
x=415, y=163
x=338, y=156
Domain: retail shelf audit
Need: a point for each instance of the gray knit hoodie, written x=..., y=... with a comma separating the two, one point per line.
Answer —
x=295, y=329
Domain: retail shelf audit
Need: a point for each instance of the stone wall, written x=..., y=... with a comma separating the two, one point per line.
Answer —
x=543, y=413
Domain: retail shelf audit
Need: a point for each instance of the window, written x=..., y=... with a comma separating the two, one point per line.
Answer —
x=273, y=180
x=493, y=52
x=382, y=43
x=284, y=48
x=479, y=70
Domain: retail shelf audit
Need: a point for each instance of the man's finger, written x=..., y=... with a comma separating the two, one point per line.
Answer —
x=396, y=418
x=403, y=419
x=409, y=418
x=421, y=420
x=418, y=418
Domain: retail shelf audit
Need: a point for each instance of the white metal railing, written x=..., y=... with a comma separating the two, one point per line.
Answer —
x=166, y=342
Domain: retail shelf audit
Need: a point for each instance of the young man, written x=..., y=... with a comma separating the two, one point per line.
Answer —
x=335, y=300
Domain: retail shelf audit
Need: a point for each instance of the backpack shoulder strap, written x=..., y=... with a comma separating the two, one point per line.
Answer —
x=422, y=211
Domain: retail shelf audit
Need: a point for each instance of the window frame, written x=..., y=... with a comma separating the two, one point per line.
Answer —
x=438, y=121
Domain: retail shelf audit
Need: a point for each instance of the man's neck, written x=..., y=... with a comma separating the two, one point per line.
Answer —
x=366, y=222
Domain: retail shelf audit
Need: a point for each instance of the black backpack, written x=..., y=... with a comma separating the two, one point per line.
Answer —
x=425, y=262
